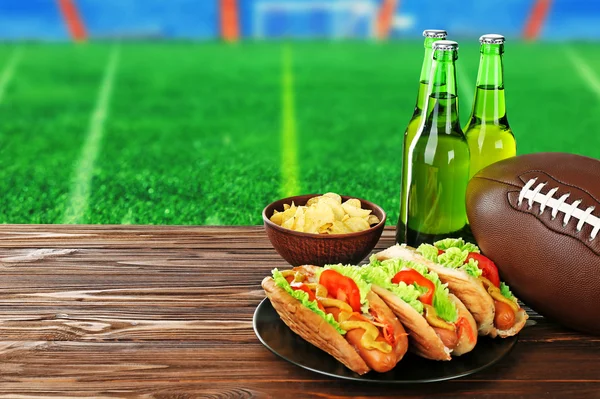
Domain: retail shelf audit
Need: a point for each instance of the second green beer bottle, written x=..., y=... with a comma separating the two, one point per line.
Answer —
x=436, y=164
x=431, y=36
x=488, y=133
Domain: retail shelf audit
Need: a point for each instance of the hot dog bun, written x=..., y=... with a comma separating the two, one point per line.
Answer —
x=312, y=327
x=465, y=343
x=423, y=339
x=520, y=320
x=400, y=336
x=467, y=288
x=375, y=359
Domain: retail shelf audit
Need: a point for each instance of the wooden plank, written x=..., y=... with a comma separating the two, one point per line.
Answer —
x=121, y=236
x=134, y=366
x=160, y=312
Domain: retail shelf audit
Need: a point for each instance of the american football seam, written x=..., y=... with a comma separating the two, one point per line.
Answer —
x=562, y=182
x=546, y=227
x=496, y=181
x=540, y=171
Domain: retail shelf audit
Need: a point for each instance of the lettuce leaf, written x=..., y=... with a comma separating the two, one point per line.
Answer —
x=445, y=308
x=303, y=298
x=505, y=291
x=456, y=243
x=354, y=273
x=382, y=272
x=472, y=269
x=456, y=252
x=429, y=252
x=453, y=257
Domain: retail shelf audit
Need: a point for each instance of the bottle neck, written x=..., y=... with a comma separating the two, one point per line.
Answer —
x=489, y=101
x=428, y=58
x=425, y=71
x=442, y=102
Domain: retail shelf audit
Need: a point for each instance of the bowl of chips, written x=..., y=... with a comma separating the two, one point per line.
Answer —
x=321, y=229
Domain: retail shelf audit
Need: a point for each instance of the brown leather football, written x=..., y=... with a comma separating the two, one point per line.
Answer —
x=537, y=217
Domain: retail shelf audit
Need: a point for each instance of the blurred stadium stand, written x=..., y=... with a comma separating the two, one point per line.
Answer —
x=266, y=19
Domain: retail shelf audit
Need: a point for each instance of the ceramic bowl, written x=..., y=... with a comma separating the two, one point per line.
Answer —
x=299, y=248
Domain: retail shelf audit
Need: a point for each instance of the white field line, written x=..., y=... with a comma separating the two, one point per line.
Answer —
x=584, y=70
x=81, y=183
x=8, y=71
x=289, y=141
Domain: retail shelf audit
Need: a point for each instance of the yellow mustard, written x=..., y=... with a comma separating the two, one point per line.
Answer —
x=368, y=339
x=497, y=295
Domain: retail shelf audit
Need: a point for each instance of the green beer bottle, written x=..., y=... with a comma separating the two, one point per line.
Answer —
x=488, y=133
x=431, y=36
x=436, y=164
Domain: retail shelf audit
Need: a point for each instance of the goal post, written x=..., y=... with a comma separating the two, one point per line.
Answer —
x=314, y=18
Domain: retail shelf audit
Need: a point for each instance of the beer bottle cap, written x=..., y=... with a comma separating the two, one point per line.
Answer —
x=437, y=33
x=445, y=45
x=491, y=38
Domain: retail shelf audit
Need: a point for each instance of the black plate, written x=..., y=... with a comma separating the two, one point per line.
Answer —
x=282, y=341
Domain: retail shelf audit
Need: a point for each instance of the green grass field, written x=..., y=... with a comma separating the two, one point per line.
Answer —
x=207, y=133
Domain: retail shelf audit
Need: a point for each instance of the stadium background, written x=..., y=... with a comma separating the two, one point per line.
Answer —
x=201, y=112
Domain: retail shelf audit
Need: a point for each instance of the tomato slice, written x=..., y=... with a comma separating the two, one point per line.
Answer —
x=465, y=327
x=489, y=269
x=411, y=276
x=341, y=287
x=311, y=295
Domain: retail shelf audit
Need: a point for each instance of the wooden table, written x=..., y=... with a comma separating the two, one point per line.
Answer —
x=166, y=312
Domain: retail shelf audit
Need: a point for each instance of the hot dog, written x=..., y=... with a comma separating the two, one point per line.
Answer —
x=339, y=315
x=504, y=317
x=375, y=359
x=449, y=337
x=439, y=325
x=473, y=278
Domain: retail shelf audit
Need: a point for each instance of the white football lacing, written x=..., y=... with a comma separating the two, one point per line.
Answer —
x=559, y=205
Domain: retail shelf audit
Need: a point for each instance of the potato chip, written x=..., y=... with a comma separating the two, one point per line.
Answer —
x=354, y=211
x=313, y=201
x=315, y=217
x=277, y=218
x=335, y=196
x=299, y=219
x=324, y=228
x=372, y=219
x=309, y=223
x=325, y=214
x=289, y=224
x=288, y=214
x=357, y=224
x=353, y=202
x=339, y=227
x=337, y=209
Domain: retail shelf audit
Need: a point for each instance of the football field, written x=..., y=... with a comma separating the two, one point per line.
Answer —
x=207, y=133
